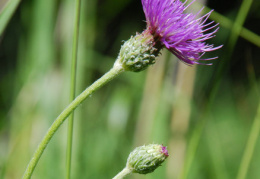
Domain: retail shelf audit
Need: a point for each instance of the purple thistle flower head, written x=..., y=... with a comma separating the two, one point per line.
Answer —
x=183, y=34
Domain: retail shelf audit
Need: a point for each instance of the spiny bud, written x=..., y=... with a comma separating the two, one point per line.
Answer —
x=138, y=52
x=147, y=158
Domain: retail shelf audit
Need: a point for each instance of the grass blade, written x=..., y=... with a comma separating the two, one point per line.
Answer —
x=7, y=13
x=73, y=86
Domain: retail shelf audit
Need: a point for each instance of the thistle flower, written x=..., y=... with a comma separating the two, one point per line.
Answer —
x=183, y=34
x=147, y=158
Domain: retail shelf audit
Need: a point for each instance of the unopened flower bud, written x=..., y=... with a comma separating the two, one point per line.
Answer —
x=147, y=158
x=138, y=52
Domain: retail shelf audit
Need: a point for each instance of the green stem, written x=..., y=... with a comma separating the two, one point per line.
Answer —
x=73, y=85
x=114, y=72
x=123, y=173
x=250, y=147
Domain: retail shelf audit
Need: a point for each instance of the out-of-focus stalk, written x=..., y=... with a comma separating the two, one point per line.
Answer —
x=7, y=13
x=73, y=85
x=194, y=141
x=250, y=146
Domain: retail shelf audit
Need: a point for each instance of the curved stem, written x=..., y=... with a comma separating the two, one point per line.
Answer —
x=115, y=71
x=123, y=173
x=73, y=86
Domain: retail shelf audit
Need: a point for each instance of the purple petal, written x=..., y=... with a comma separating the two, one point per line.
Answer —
x=181, y=33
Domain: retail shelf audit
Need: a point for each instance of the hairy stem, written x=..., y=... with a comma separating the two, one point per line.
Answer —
x=123, y=173
x=115, y=71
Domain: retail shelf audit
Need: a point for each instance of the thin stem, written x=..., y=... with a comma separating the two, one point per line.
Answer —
x=250, y=147
x=114, y=72
x=123, y=173
x=73, y=85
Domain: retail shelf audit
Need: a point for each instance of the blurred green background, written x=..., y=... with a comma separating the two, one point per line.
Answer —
x=206, y=115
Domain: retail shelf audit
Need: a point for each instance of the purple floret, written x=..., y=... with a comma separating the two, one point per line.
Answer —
x=183, y=34
x=165, y=151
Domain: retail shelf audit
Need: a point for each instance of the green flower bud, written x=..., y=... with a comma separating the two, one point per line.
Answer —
x=147, y=158
x=138, y=52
